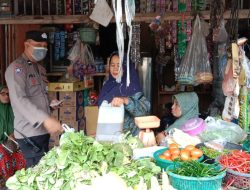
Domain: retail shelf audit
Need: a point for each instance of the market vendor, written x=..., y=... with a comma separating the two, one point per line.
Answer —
x=10, y=162
x=27, y=83
x=117, y=93
x=185, y=106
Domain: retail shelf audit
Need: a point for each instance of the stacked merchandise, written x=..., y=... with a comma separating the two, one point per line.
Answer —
x=59, y=45
x=5, y=8
x=135, y=45
x=72, y=111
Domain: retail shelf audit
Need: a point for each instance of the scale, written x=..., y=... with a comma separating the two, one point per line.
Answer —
x=146, y=123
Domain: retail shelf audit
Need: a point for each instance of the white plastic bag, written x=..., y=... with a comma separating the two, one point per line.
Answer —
x=222, y=130
x=110, y=123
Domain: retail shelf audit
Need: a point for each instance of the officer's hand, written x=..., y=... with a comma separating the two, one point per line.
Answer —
x=53, y=126
x=55, y=104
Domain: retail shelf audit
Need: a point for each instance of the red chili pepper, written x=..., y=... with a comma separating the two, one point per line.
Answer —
x=237, y=160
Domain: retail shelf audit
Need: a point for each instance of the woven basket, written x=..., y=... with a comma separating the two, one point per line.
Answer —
x=239, y=180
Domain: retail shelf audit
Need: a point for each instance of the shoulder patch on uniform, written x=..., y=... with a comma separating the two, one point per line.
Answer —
x=18, y=69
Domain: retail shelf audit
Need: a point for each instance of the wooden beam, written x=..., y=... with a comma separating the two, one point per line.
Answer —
x=243, y=14
x=77, y=19
x=46, y=19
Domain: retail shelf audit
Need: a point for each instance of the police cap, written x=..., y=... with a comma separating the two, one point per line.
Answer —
x=37, y=36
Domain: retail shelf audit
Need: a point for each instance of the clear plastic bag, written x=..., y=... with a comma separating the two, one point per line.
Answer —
x=81, y=53
x=75, y=51
x=220, y=33
x=246, y=65
x=222, y=130
x=195, y=67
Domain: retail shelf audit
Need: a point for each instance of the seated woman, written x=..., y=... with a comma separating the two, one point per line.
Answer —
x=135, y=103
x=9, y=162
x=185, y=106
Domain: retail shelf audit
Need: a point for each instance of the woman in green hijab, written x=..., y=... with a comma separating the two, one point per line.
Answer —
x=10, y=162
x=6, y=114
x=185, y=107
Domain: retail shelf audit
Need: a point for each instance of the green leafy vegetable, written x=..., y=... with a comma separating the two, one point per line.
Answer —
x=78, y=160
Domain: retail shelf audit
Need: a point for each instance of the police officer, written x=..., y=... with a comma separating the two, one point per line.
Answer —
x=27, y=83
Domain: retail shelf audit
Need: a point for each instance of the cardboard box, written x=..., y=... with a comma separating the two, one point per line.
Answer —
x=71, y=113
x=91, y=116
x=62, y=87
x=77, y=125
x=72, y=98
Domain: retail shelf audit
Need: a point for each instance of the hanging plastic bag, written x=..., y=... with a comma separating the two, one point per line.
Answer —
x=246, y=66
x=74, y=52
x=87, y=55
x=81, y=53
x=229, y=83
x=82, y=59
x=195, y=67
x=220, y=33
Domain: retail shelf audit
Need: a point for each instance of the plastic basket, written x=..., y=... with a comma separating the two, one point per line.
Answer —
x=195, y=183
x=163, y=164
x=236, y=179
x=246, y=146
x=88, y=35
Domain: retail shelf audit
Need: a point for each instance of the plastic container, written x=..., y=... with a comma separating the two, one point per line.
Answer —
x=193, y=126
x=163, y=164
x=109, y=132
x=88, y=35
x=147, y=122
x=246, y=146
x=195, y=183
x=110, y=123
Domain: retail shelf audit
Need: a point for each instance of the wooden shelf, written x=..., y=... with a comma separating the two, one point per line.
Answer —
x=56, y=74
x=78, y=19
x=99, y=74
x=176, y=92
